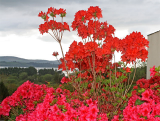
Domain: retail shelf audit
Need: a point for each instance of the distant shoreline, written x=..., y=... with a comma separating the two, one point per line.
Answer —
x=38, y=68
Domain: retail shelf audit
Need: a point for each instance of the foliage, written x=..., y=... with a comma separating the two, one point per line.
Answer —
x=3, y=91
x=23, y=75
x=31, y=71
x=46, y=71
x=13, y=77
x=141, y=70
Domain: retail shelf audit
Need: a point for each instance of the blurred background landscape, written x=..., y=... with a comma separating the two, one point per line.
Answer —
x=15, y=71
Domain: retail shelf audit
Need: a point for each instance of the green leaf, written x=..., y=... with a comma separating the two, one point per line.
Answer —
x=113, y=89
x=85, y=85
x=157, y=116
x=78, y=80
x=98, y=78
x=106, y=81
x=20, y=111
x=123, y=98
x=139, y=102
x=13, y=117
x=141, y=90
x=64, y=110
x=92, y=90
x=124, y=106
x=119, y=90
x=117, y=95
x=115, y=104
x=129, y=95
x=156, y=69
x=118, y=101
x=117, y=80
x=115, y=113
x=106, y=88
x=112, y=83
x=108, y=114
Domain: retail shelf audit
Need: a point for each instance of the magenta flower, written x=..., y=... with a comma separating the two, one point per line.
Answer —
x=152, y=71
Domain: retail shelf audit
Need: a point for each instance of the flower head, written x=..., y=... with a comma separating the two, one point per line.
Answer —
x=152, y=71
x=55, y=53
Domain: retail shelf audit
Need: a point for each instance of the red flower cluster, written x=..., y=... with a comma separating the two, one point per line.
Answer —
x=93, y=59
x=97, y=28
x=53, y=12
x=145, y=101
x=134, y=47
x=55, y=53
x=25, y=96
x=43, y=103
x=127, y=69
x=81, y=55
x=53, y=25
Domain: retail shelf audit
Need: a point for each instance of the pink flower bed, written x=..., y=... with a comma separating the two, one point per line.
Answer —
x=42, y=103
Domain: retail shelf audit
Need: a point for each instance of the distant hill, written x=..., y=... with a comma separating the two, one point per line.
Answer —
x=12, y=61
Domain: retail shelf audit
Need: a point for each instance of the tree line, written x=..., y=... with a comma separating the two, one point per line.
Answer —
x=30, y=71
x=13, y=77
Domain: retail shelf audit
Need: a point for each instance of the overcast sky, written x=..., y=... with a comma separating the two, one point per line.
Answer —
x=19, y=22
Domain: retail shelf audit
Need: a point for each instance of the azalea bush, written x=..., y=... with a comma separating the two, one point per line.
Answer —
x=101, y=84
x=41, y=102
x=97, y=77
x=145, y=101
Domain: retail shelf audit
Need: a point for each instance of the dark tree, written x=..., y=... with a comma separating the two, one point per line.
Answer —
x=3, y=91
x=31, y=71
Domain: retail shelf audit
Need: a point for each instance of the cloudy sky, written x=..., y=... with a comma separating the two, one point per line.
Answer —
x=19, y=22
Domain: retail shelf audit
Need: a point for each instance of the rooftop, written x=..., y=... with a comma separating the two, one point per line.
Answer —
x=153, y=33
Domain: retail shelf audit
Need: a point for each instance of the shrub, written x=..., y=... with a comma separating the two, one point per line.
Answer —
x=3, y=91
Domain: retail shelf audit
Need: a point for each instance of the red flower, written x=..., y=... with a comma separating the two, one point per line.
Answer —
x=133, y=47
x=127, y=69
x=55, y=53
x=94, y=12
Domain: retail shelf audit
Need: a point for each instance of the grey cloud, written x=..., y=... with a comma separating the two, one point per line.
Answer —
x=21, y=16
x=46, y=38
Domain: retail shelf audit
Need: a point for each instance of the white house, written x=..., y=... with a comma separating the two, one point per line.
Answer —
x=153, y=51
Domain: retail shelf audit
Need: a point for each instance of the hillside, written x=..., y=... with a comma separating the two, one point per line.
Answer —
x=12, y=61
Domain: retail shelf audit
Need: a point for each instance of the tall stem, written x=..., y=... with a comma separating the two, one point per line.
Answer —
x=64, y=60
x=127, y=89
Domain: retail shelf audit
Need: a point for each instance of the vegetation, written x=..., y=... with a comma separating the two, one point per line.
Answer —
x=3, y=91
x=13, y=77
x=141, y=71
